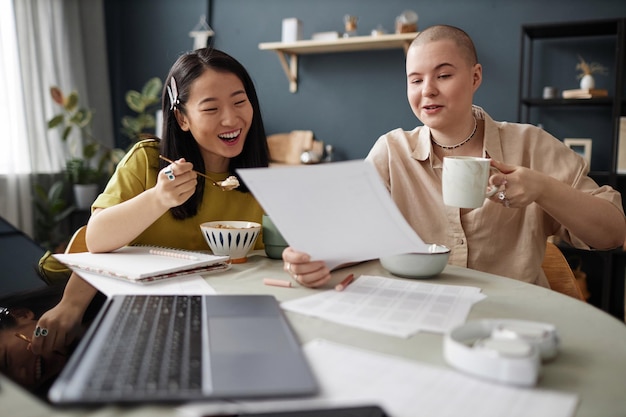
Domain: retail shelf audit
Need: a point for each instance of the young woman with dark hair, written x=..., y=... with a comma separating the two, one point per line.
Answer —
x=211, y=125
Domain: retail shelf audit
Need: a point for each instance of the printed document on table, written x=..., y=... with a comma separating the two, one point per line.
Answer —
x=395, y=307
x=339, y=212
x=351, y=376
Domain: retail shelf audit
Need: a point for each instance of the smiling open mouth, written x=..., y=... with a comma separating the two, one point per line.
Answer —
x=230, y=136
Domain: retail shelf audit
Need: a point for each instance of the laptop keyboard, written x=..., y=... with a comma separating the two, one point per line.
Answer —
x=154, y=347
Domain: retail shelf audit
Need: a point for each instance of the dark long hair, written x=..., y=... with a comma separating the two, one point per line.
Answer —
x=177, y=143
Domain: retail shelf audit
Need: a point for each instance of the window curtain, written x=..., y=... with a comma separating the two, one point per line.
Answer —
x=15, y=164
x=48, y=43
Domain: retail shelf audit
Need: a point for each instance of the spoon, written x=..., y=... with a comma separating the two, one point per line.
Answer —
x=228, y=184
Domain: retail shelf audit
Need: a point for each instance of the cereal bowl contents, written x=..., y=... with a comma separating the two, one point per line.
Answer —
x=231, y=238
x=230, y=183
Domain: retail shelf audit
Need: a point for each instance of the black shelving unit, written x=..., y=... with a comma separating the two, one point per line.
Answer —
x=605, y=269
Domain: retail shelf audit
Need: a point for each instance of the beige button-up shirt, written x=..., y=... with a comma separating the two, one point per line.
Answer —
x=504, y=241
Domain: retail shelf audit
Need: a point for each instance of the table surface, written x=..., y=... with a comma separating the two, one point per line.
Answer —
x=591, y=361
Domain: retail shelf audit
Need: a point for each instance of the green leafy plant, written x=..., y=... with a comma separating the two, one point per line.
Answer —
x=51, y=208
x=89, y=160
x=144, y=103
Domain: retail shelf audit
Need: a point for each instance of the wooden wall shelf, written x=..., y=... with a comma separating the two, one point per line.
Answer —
x=292, y=50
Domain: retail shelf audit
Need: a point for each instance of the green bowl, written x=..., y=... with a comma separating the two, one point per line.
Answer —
x=274, y=251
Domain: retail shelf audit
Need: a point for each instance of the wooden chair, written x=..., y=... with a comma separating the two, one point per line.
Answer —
x=77, y=243
x=559, y=273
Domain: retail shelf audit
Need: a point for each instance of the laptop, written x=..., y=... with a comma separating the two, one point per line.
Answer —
x=175, y=348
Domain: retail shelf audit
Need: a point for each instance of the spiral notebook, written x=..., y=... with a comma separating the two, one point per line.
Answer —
x=144, y=263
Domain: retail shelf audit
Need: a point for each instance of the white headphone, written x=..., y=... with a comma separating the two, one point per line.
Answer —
x=508, y=351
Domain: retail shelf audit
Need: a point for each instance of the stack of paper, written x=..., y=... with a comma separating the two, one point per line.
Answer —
x=391, y=306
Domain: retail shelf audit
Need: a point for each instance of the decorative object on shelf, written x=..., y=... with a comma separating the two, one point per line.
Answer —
x=295, y=147
x=329, y=153
x=292, y=30
x=585, y=93
x=586, y=72
x=378, y=30
x=349, y=22
x=325, y=36
x=581, y=146
x=201, y=33
x=549, y=92
x=406, y=22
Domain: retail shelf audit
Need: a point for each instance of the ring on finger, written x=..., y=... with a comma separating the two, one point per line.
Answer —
x=502, y=195
x=170, y=175
x=295, y=276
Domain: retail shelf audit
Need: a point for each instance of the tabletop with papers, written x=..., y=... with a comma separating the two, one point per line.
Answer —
x=359, y=361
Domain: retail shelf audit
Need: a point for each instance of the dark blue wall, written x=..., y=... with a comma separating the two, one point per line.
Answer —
x=347, y=99
x=144, y=38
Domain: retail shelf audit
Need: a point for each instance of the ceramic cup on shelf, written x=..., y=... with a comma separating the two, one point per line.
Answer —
x=274, y=242
x=465, y=180
x=549, y=92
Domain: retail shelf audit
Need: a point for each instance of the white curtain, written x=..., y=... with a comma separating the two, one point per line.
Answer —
x=15, y=163
x=44, y=47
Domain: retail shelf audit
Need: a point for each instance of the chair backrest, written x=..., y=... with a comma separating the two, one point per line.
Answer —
x=77, y=243
x=559, y=273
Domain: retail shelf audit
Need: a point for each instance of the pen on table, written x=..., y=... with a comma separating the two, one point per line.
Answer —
x=276, y=282
x=24, y=338
x=343, y=284
x=28, y=340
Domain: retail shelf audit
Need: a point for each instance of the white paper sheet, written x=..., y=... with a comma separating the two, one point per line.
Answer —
x=395, y=307
x=403, y=388
x=189, y=284
x=339, y=212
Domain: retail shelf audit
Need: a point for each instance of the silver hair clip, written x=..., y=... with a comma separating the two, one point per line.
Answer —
x=173, y=93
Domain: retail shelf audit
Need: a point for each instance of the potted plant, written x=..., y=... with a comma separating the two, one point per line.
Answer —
x=145, y=103
x=587, y=82
x=89, y=162
x=51, y=209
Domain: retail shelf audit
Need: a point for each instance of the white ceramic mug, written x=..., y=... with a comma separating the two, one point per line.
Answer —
x=465, y=180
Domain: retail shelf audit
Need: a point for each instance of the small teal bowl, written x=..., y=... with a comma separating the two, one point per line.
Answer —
x=273, y=240
x=231, y=238
x=418, y=265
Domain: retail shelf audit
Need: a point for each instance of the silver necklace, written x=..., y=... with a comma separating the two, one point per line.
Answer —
x=450, y=147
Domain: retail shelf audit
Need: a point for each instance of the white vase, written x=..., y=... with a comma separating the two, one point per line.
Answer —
x=587, y=82
x=85, y=195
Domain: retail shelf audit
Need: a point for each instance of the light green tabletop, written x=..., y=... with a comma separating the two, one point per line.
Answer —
x=591, y=360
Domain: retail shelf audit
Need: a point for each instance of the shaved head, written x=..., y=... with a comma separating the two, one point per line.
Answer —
x=451, y=33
